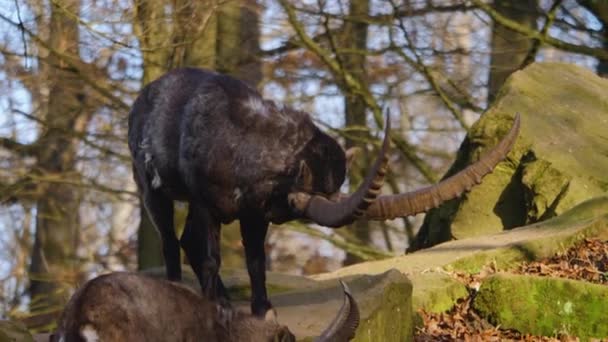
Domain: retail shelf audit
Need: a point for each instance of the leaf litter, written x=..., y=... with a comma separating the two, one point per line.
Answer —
x=586, y=261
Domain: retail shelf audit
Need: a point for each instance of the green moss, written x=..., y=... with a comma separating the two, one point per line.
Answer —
x=392, y=319
x=544, y=186
x=587, y=219
x=545, y=306
x=502, y=258
x=436, y=292
x=508, y=257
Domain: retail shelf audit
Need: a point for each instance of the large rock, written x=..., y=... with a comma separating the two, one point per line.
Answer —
x=503, y=250
x=559, y=160
x=435, y=291
x=385, y=303
x=545, y=306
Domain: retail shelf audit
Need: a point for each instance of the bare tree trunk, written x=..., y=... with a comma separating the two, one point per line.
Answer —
x=355, y=38
x=509, y=49
x=153, y=38
x=54, y=254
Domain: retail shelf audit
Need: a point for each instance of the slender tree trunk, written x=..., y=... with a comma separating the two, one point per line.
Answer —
x=355, y=38
x=153, y=38
x=600, y=10
x=54, y=254
x=602, y=66
x=509, y=49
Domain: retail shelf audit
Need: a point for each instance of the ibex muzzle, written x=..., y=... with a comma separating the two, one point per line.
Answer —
x=212, y=141
x=132, y=307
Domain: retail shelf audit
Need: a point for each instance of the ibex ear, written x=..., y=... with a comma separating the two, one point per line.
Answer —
x=305, y=176
x=351, y=153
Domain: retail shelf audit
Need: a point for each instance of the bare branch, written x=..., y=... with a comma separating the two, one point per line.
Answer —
x=362, y=251
x=386, y=19
x=347, y=80
x=22, y=29
x=22, y=150
x=74, y=65
x=544, y=32
x=531, y=33
x=428, y=75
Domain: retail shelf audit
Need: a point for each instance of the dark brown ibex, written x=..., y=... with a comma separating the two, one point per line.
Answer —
x=211, y=140
x=132, y=307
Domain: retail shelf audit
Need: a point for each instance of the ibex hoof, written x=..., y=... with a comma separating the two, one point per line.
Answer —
x=271, y=316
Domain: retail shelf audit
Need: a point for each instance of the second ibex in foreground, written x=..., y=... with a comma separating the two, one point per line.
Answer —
x=132, y=307
x=212, y=141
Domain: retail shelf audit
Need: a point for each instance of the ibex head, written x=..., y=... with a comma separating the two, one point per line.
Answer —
x=365, y=202
x=133, y=307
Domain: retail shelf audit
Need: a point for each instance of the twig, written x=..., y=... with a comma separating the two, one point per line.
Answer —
x=544, y=32
x=428, y=74
x=22, y=29
x=355, y=87
x=364, y=252
x=531, y=33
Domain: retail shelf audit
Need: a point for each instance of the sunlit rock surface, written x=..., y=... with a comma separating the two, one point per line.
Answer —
x=559, y=160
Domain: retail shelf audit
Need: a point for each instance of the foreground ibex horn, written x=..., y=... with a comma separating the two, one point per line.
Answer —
x=132, y=307
x=214, y=142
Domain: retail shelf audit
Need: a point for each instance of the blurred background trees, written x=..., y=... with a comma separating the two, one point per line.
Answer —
x=69, y=70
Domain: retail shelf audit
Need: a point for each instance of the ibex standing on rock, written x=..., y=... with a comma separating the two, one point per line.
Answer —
x=131, y=307
x=212, y=141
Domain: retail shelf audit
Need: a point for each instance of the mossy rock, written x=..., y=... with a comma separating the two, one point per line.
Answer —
x=545, y=306
x=558, y=161
x=384, y=300
x=504, y=249
x=14, y=332
x=436, y=291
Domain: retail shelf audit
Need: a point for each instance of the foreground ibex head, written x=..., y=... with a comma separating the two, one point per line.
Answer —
x=132, y=307
x=214, y=142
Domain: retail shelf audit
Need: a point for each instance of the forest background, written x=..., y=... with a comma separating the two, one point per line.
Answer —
x=70, y=69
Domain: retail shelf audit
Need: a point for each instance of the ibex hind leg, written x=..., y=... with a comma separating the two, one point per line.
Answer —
x=160, y=210
x=253, y=232
x=200, y=241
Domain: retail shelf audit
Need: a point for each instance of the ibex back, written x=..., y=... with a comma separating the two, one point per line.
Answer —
x=132, y=307
x=211, y=140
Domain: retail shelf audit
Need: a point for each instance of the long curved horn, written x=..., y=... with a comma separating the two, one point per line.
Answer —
x=343, y=327
x=336, y=214
x=400, y=205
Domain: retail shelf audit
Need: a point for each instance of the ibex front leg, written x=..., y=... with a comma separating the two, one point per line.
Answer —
x=200, y=241
x=253, y=231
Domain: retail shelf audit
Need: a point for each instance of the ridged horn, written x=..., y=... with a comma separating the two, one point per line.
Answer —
x=329, y=213
x=387, y=207
x=344, y=325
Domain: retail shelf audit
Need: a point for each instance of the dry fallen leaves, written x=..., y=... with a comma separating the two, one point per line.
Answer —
x=586, y=261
